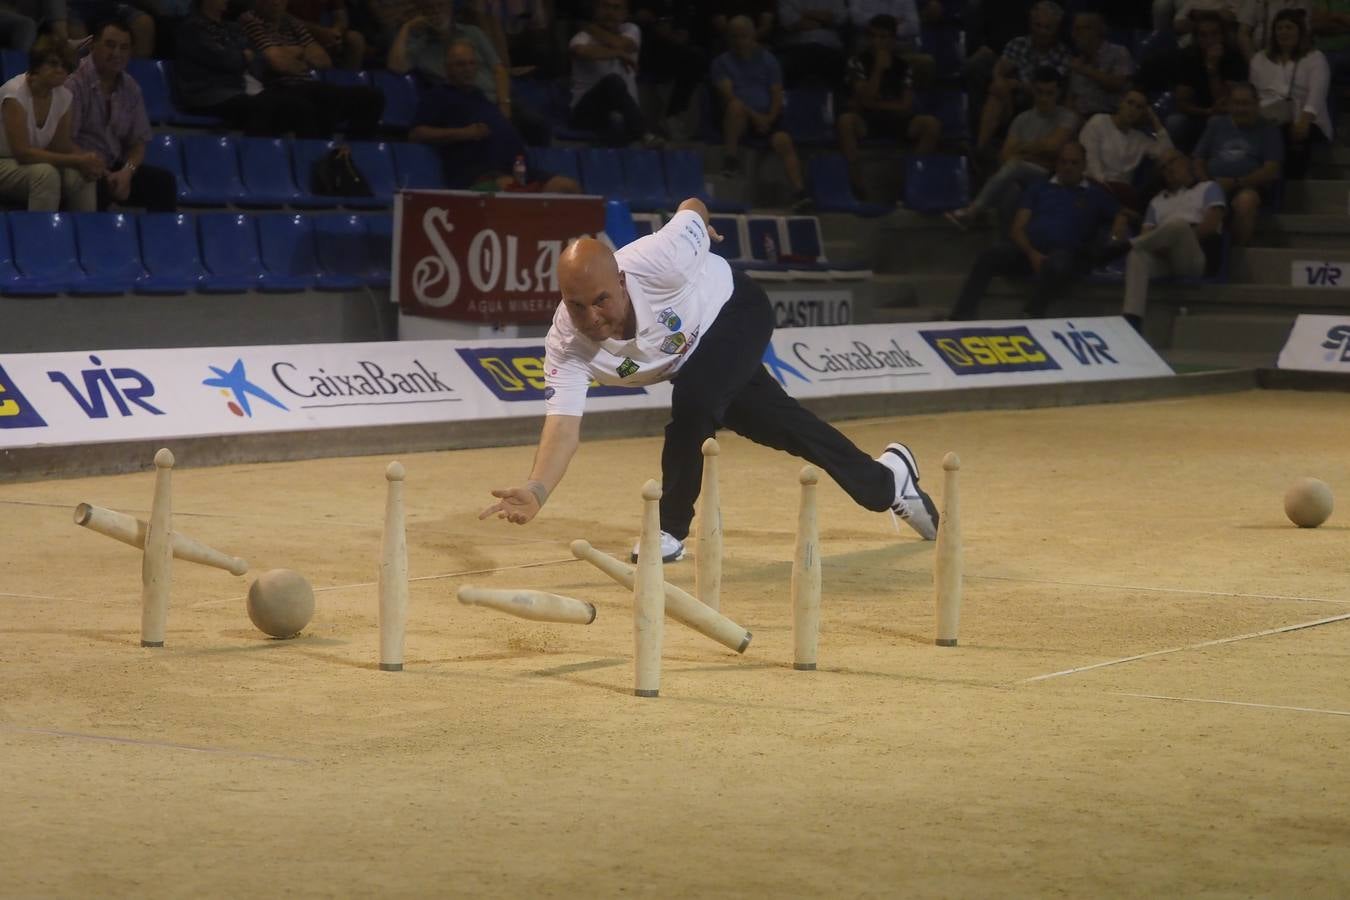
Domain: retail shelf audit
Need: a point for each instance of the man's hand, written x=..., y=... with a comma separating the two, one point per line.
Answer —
x=1037, y=259
x=1299, y=129
x=1227, y=184
x=517, y=505
x=90, y=165
x=119, y=184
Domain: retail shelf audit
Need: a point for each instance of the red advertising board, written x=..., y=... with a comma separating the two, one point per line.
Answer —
x=477, y=257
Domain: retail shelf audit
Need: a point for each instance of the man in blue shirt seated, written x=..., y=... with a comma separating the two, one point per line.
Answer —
x=1054, y=237
x=1242, y=153
x=479, y=146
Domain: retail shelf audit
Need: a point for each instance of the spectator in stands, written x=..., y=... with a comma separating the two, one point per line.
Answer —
x=812, y=45
x=478, y=144
x=1029, y=153
x=137, y=18
x=604, y=76
x=421, y=46
x=212, y=78
x=1236, y=16
x=328, y=22
x=108, y=118
x=1263, y=14
x=39, y=165
x=1206, y=73
x=525, y=31
x=761, y=12
x=1055, y=237
x=1099, y=71
x=1331, y=27
x=1116, y=144
x=17, y=30
x=286, y=57
x=1241, y=152
x=1011, y=88
x=1292, y=79
x=388, y=16
x=749, y=85
x=669, y=54
x=909, y=19
x=1182, y=234
x=882, y=100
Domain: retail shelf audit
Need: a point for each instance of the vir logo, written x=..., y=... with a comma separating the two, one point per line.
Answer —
x=1087, y=347
x=121, y=386
x=236, y=382
x=1323, y=275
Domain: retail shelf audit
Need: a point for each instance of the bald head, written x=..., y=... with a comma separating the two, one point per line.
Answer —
x=593, y=291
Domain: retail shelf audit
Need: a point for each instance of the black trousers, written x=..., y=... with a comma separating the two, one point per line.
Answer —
x=311, y=110
x=724, y=384
x=1058, y=273
x=597, y=107
x=152, y=189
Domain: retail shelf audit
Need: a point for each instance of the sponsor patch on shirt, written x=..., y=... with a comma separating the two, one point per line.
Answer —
x=627, y=367
x=674, y=344
x=668, y=318
x=548, y=393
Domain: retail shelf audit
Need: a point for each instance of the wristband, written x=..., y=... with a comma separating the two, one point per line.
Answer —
x=539, y=490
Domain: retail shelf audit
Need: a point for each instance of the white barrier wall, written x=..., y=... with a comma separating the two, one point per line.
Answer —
x=91, y=397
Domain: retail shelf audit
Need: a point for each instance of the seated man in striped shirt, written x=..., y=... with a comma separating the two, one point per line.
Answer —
x=286, y=60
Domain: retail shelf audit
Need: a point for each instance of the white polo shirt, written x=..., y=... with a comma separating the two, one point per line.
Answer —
x=677, y=287
x=586, y=73
x=1188, y=204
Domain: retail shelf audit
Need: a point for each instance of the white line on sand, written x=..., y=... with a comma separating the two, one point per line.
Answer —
x=1306, y=709
x=14, y=729
x=1213, y=643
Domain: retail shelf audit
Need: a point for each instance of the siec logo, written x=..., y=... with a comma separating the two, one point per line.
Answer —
x=1337, y=343
x=15, y=410
x=982, y=351
x=516, y=374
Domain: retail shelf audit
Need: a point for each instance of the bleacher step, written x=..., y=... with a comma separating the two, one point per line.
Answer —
x=1238, y=333
x=1316, y=196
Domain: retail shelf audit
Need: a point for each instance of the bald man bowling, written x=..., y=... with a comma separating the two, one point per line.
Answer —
x=665, y=308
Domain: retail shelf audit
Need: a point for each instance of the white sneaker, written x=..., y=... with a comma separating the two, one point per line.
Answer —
x=672, y=550
x=911, y=503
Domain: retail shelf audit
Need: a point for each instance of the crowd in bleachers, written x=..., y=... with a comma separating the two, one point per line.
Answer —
x=213, y=103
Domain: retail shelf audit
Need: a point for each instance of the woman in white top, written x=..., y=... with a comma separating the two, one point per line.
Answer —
x=39, y=164
x=1292, y=79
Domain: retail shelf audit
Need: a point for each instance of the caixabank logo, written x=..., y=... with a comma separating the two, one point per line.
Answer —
x=517, y=373
x=986, y=351
x=15, y=410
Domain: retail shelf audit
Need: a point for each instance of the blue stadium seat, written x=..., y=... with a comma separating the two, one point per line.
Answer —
x=344, y=77
x=44, y=253
x=949, y=107
x=831, y=191
x=684, y=179
x=936, y=183
x=807, y=116
x=289, y=261
x=149, y=77
x=418, y=166
x=177, y=116
x=400, y=99
x=210, y=171
x=229, y=243
x=805, y=243
x=619, y=223
x=601, y=172
x=170, y=253
x=947, y=45
x=732, y=245
x=265, y=168
x=343, y=247
x=381, y=232
x=164, y=151
x=8, y=273
x=375, y=161
x=555, y=161
x=644, y=185
x=109, y=251
x=304, y=154
x=646, y=223
x=763, y=231
x=13, y=62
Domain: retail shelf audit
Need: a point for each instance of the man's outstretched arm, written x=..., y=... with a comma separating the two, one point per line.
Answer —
x=558, y=442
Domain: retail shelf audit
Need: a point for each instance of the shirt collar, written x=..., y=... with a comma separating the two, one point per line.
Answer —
x=87, y=73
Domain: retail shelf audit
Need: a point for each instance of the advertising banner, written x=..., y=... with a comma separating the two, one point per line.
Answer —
x=1318, y=344
x=477, y=257
x=116, y=395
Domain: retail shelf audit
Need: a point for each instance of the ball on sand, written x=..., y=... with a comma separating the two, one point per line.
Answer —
x=1308, y=502
x=280, y=603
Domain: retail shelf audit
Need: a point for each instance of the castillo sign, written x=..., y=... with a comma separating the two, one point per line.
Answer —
x=476, y=257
